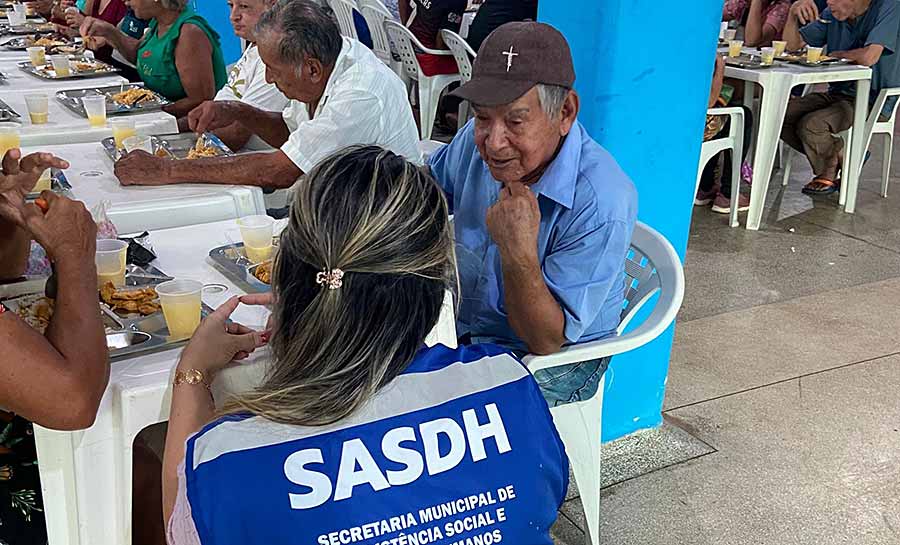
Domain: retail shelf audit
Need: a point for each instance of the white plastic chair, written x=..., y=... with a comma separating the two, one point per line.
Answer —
x=652, y=266
x=375, y=13
x=429, y=147
x=873, y=126
x=343, y=11
x=733, y=141
x=430, y=87
x=464, y=55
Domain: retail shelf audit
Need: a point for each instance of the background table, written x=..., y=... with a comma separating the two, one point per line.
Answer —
x=776, y=83
x=86, y=475
x=137, y=208
x=17, y=80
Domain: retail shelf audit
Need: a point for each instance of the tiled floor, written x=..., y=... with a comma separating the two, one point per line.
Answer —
x=786, y=365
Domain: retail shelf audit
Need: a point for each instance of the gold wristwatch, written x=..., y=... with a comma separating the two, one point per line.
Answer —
x=191, y=377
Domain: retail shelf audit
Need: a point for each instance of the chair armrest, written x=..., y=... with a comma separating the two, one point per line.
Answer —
x=736, y=113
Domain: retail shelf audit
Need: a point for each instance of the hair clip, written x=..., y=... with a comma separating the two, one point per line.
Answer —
x=332, y=279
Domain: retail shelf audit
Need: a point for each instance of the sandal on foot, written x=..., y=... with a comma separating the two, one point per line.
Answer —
x=821, y=186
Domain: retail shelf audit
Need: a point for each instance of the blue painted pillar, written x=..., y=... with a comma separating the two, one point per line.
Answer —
x=216, y=13
x=643, y=74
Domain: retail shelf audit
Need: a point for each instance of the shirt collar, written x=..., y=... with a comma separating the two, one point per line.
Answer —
x=339, y=68
x=558, y=181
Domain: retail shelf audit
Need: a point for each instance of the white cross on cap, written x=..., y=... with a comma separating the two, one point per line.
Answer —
x=509, y=57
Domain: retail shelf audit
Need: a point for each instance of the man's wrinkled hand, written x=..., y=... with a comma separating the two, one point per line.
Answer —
x=514, y=221
x=142, y=168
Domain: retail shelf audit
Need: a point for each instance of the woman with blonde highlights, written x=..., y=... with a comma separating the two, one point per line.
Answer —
x=359, y=432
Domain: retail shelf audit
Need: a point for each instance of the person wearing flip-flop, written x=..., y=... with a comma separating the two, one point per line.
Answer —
x=865, y=32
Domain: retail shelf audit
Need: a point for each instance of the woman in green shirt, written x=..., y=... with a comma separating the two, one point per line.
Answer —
x=178, y=57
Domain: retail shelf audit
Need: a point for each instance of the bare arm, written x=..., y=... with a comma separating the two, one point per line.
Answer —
x=13, y=250
x=757, y=32
x=791, y=33
x=193, y=59
x=219, y=114
x=273, y=170
x=865, y=56
x=121, y=42
x=718, y=80
x=235, y=135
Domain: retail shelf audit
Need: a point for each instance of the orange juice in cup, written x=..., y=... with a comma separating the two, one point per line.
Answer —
x=181, y=304
x=256, y=232
x=813, y=54
x=95, y=109
x=122, y=129
x=110, y=258
x=780, y=46
x=735, y=47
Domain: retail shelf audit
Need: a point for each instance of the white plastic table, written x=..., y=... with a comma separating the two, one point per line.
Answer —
x=134, y=209
x=86, y=475
x=776, y=84
x=17, y=80
x=66, y=127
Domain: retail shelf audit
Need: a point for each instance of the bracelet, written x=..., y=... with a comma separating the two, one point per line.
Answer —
x=191, y=377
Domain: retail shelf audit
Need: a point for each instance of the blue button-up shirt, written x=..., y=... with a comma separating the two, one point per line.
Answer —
x=588, y=209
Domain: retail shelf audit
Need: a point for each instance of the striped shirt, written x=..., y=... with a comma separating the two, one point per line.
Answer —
x=364, y=102
x=460, y=448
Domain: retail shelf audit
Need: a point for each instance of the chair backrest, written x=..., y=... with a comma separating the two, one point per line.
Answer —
x=883, y=97
x=343, y=11
x=650, y=266
x=462, y=52
x=403, y=40
x=375, y=14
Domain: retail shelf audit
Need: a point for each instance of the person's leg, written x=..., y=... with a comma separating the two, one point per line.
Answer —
x=570, y=383
x=798, y=108
x=818, y=130
x=726, y=166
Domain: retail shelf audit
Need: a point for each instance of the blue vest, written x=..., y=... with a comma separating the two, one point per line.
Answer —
x=459, y=449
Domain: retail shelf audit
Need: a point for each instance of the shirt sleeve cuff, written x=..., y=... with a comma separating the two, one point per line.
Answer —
x=297, y=156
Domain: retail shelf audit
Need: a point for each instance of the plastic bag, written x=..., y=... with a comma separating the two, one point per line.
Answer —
x=105, y=227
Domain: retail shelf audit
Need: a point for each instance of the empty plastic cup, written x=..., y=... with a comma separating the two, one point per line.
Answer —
x=37, y=55
x=95, y=108
x=20, y=8
x=256, y=232
x=38, y=108
x=134, y=143
x=110, y=259
x=15, y=18
x=181, y=301
x=61, y=65
x=730, y=34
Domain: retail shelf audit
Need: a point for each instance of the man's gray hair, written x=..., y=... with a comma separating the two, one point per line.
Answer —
x=552, y=98
x=304, y=29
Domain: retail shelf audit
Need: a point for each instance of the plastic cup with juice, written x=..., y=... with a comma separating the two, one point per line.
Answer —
x=734, y=48
x=768, y=55
x=122, y=128
x=780, y=46
x=110, y=259
x=38, y=108
x=181, y=301
x=813, y=54
x=37, y=55
x=9, y=139
x=256, y=232
x=61, y=65
x=95, y=108
x=44, y=182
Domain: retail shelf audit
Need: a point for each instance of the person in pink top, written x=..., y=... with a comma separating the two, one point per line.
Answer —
x=763, y=20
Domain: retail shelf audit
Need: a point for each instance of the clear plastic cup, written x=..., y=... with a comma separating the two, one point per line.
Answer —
x=95, y=108
x=181, y=303
x=734, y=48
x=122, y=128
x=723, y=28
x=134, y=143
x=780, y=46
x=37, y=55
x=20, y=8
x=813, y=54
x=110, y=259
x=768, y=55
x=9, y=139
x=256, y=232
x=61, y=65
x=15, y=18
x=38, y=108
x=730, y=34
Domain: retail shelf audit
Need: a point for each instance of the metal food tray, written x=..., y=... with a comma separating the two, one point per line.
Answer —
x=47, y=72
x=58, y=184
x=30, y=27
x=23, y=42
x=160, y=148
x=127, y=335
x=827, y=62
x=181, y=144
x=231, y=262
x=747, y=62
x=71, y=99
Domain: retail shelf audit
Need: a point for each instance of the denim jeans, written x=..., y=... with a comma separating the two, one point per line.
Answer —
x=569, y=383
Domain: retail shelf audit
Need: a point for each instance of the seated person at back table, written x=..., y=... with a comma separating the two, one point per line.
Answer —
x=765, y=19
x=425, y=19
x=495, y=13
x=179, y=56
x=358, y=421
x=866, y=33
x=809, y=10
x=247, y=78
x=543, y=214
x=341, y=95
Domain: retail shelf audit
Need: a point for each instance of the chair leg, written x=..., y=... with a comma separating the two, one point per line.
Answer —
x=886, y=163
x=428, y=104
x=787, y=157
x=735, y=187
x=845, y=166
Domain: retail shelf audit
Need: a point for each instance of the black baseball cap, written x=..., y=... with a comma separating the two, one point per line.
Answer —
x=514, y=58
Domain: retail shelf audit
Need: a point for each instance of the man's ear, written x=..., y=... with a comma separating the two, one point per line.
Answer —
x=569, y=113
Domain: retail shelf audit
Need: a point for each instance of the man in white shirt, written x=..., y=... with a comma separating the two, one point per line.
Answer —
x=341, y=95
x=247, y=78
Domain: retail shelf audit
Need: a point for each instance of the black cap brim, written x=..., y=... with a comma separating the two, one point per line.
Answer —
x=485, y=91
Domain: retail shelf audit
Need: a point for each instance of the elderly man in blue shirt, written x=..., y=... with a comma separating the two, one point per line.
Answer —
x=862, y=31
x=543, y=214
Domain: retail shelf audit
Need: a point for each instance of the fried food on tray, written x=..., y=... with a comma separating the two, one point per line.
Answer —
x=133, y=97
x=202, y=149
x=84, y=66
x=49, y=42
x=141, y=300
x=37, y=314
x=263, y=272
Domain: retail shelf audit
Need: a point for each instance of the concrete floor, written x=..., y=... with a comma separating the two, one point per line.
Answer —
x=786, y=365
